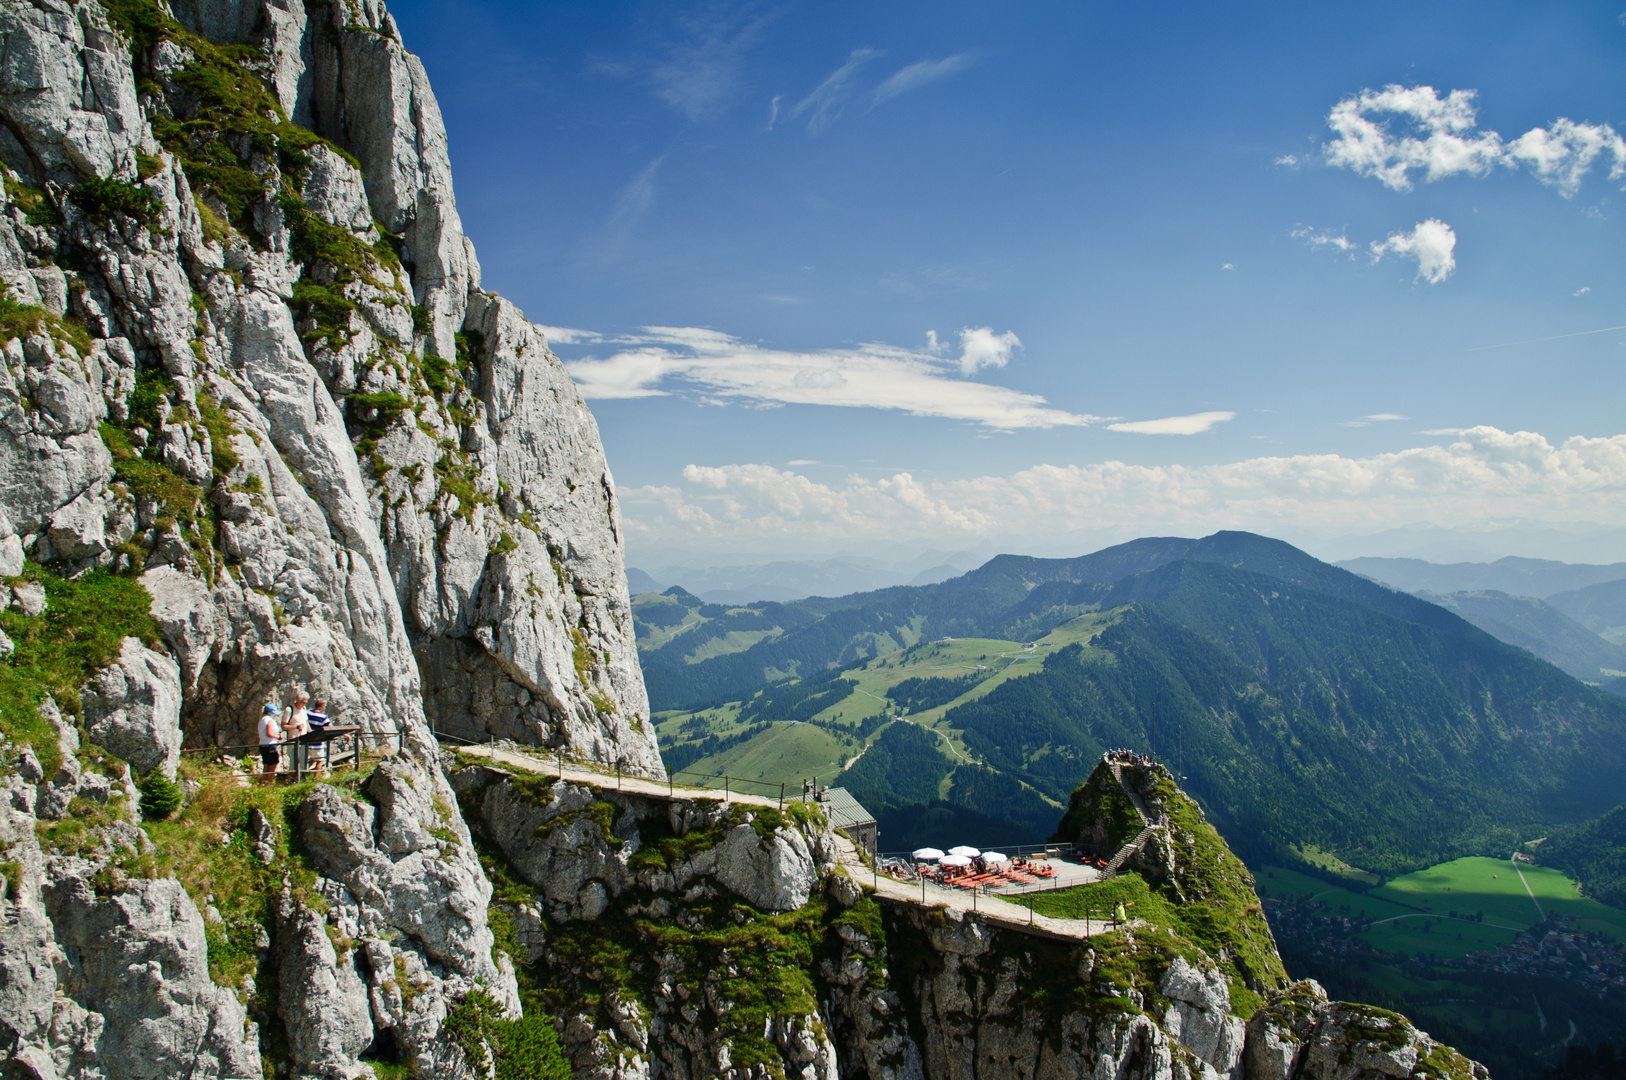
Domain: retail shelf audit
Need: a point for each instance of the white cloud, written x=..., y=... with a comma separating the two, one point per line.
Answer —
x=564, y=335
x=1431, y=243
x=1315, y=239
x=1483, y=475
x=612, y=240
x=1289, y=160
x=1195, y=424
x=1562, y=156
x=1440, y=138
x=1228, y=266
x=1374, y=418
x=720, y=367
x=1582, y=291
x=830, y=97
x=915, y=76
x=980, y=347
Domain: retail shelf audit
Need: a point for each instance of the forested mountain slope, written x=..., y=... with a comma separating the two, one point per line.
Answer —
x=1542, y=628
x=1311, y=708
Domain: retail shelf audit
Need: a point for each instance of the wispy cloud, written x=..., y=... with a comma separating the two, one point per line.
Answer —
x=1322, y=239
x=1582, y=291
x=915, y=76
x=701, y=70
x=611, y=241
x=1374, y=418
x=718, y=367
x=1482, y=475
x=565, y=335
x=1195, y=424
x=1227, y=266
x=825, y=104
x=1440, y=137
x=1431, y=243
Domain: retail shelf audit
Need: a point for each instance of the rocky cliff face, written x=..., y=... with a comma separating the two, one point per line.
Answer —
x=687, y=938
x=261, y=431
x=250, y=359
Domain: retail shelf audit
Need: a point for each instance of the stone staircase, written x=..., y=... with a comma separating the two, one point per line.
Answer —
x=1127, y=850
x=1148, y=827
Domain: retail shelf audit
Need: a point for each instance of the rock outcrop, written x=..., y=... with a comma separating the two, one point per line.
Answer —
x=254, y=361
x=246, y=359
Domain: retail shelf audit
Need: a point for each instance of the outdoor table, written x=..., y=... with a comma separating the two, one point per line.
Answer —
x=322, y=737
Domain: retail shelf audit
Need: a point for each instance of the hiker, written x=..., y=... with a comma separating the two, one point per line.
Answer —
x=270, y=736
x=317, y=719
x=1119, y=915
x=298, y=725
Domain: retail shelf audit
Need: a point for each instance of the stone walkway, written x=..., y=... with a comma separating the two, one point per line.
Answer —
x=992, y=908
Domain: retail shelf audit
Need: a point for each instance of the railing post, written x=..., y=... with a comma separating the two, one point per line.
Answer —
x=781, y=796
x=670, y=789
x=725, y=789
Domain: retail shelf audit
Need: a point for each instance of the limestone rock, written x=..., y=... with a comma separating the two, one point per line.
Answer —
x=67, y=93
x=133, y=708
x=139, y=959
x=774, y=873
x=28, y=598
x=323, y=1001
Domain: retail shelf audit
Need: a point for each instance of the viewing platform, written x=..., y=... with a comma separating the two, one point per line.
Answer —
x=996, y=906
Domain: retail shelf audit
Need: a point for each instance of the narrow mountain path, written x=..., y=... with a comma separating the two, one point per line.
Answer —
x=928, y=894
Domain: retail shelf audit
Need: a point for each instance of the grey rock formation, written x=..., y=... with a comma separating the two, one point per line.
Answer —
x=1199, y=1015
x=133, y=708
x=137, y=960
x=1302, y=1036
x=335, y=508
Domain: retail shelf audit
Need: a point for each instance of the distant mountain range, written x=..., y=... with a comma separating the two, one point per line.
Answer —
x=1572, y=615
x=1314, y=710
x=1540, y=578
x=791, y=579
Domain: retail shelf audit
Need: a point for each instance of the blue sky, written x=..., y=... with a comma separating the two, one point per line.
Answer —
x=1039, y=275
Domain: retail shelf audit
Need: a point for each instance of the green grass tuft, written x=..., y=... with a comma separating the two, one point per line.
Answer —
x=82, y=629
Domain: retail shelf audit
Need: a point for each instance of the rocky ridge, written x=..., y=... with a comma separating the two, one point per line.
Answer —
x=262, y=430
x=687, y=937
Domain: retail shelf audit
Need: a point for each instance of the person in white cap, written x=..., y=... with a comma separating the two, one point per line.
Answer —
x=270, y=737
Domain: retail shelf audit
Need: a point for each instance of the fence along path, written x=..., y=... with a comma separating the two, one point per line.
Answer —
x=928, y=894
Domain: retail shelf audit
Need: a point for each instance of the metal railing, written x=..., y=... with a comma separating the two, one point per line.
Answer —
x=304, y=756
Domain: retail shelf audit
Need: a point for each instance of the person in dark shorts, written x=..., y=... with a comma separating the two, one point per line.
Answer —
x=270, y=738
x=317, y=720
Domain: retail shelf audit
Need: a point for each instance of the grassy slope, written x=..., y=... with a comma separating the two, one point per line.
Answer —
x=788, y=753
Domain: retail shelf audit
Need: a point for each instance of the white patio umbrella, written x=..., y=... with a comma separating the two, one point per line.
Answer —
x=968, y=852
x=927, y=854
x=956, y=860
x=994, y=857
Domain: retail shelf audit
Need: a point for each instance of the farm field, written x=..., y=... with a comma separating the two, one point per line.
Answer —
x=1448, y=899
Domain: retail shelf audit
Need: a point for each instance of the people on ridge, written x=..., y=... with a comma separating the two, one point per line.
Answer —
x=296, y=726
x=270, y=737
